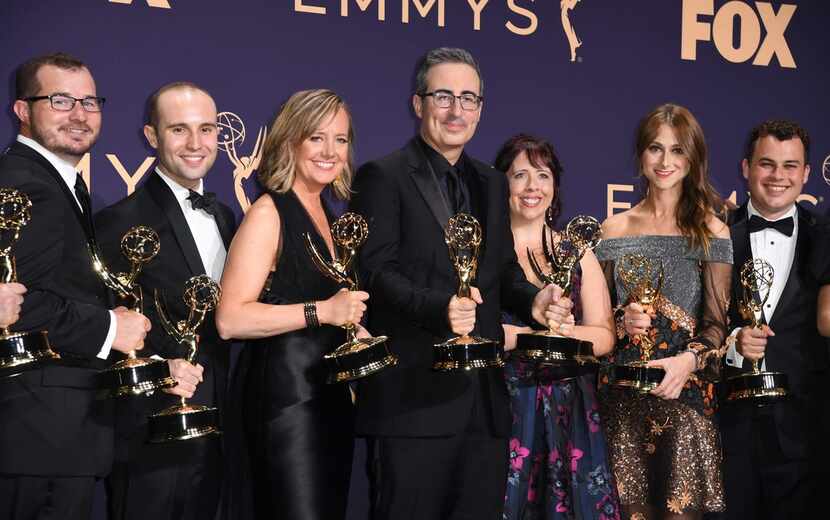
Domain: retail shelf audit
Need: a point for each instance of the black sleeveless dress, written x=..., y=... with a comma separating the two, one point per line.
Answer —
x=299, y=429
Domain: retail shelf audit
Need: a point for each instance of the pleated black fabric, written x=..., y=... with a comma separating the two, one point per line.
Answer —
x=299, y=429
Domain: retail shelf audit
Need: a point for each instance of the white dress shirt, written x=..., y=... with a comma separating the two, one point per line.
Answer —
x=203, y=228
x=779, y=251
x=69, y=176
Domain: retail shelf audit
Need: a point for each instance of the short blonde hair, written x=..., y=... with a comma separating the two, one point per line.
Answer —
x=298, y=118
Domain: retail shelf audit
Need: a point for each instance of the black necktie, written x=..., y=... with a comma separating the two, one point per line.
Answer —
x=83, y=195
x=785, y=225
x=205, y=202
x=456, y=190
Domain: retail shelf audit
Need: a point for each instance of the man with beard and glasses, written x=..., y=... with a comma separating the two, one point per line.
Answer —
x=56, y=438
x=439, y=438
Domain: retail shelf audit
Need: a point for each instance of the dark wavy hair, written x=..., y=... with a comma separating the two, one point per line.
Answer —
x=699, y=199
x=25, y=78
x=541, y=154
x=780, y=129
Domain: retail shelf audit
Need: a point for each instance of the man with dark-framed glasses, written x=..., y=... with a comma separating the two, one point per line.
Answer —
x=439, y=439
x=56, y=438
x=65, y=102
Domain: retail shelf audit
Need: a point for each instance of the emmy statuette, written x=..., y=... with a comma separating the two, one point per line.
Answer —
x=134, y=375
x=638, y=274
x=463, y=238
x=185, y=421
x=561, y=252
x=757, y=385
x=357, y=357
x=19, y=351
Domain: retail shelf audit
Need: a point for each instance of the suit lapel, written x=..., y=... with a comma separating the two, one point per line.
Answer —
x=741, y=253
x=84, y=220
x=426, y=183
x=164, y=197
x=803, y=243
x=224, y=221
x=485, y=206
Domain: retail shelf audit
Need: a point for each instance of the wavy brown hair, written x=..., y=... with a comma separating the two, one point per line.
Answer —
x=699, y=200
x=298, y=118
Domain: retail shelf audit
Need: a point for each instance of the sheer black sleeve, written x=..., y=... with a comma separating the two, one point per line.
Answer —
x=708, y=342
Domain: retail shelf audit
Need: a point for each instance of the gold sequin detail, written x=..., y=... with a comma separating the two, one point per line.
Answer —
x=676, y=313
x=677, y=504
x=656, y=444
x=657, y=428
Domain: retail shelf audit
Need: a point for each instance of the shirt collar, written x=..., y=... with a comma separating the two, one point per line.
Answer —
x=67, y=171
x=440, y=163
x=180, y=192
x=751, y=211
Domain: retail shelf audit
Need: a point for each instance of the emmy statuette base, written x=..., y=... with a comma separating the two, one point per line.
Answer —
x=467, y=353
x=636, y=376
x=135, y=376
x=359, y=358
x=183, y=422
x=548, y=349
x=757, y=386
x=22, y=351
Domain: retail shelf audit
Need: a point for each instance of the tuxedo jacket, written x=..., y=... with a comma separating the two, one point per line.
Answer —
x=406, y=269
x=52, y=424
x=154, y=205
x=796, y=349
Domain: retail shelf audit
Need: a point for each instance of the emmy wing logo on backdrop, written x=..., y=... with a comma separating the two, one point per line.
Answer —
x=231, y=136
x=521, y=20
x=567, y=26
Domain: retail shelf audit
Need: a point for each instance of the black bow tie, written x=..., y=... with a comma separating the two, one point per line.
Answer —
x=785, y=225
x=205, y=202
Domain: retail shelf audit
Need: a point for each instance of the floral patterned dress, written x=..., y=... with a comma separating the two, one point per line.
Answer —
x=558, y=458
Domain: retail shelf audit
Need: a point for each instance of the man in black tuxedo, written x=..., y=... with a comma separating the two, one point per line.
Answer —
x=439, y=438
x=11, y=297
x=55, y=436
x=173, y=480
x=770, y=450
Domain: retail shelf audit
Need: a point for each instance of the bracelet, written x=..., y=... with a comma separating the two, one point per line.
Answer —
x=696, y=349
x=310, y=312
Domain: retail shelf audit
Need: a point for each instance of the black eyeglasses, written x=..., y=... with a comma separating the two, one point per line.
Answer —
x=445, y=99
x=64, y=103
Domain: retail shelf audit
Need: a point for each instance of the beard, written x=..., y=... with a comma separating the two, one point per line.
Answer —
x=58, y=141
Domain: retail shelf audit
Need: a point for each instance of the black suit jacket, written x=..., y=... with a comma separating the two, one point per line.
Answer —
x=796, y=349
x=51, y=422
x=154, y=205
x=407, y=271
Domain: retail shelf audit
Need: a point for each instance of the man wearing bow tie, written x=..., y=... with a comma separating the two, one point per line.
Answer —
x=55, y=436
x=179, y=480
x=770, y=450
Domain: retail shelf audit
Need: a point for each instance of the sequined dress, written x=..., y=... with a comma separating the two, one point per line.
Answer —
x=666, y=453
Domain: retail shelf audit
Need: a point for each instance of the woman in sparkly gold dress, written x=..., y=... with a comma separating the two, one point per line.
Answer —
x=664, y=446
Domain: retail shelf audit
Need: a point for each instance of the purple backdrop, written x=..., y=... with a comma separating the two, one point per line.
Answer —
x=732, y=63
